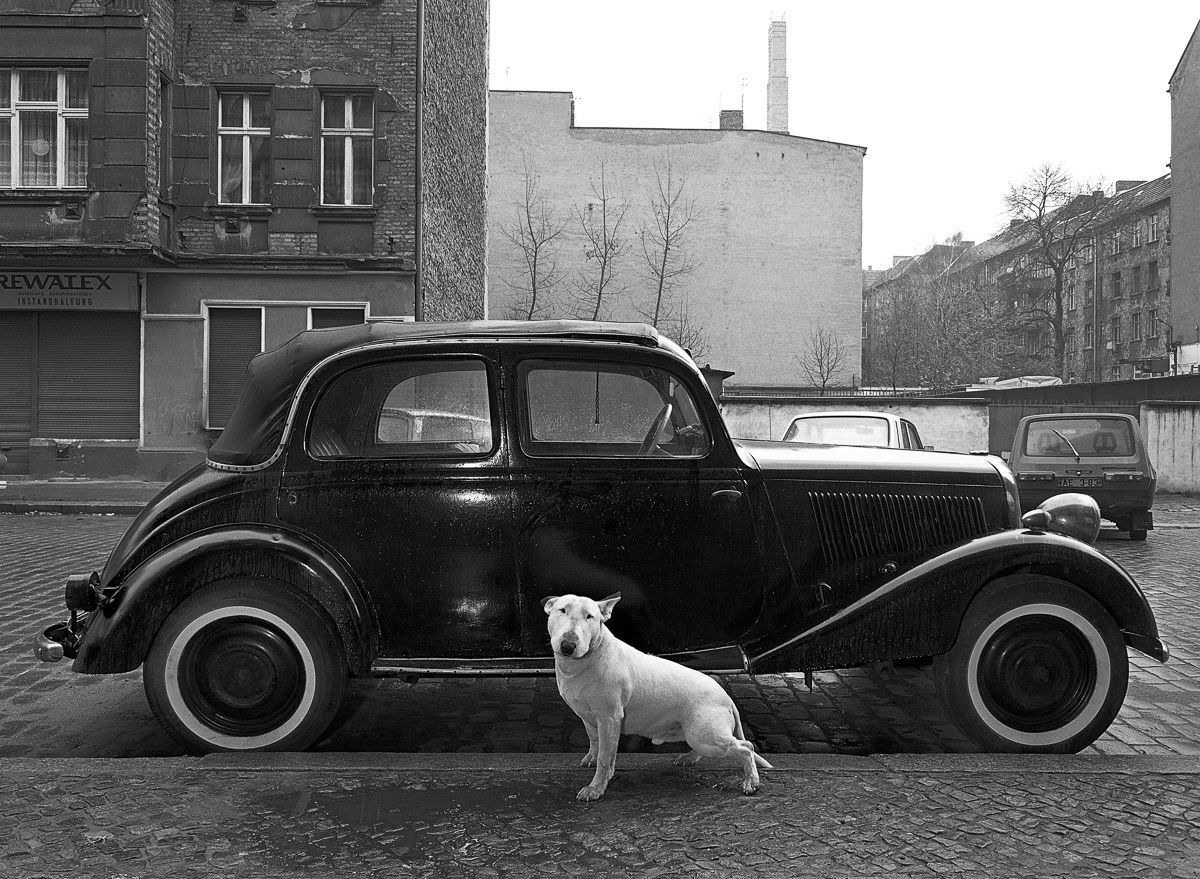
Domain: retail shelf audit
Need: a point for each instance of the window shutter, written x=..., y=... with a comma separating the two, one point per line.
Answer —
x=234, y=337
x=322, y=318
x=88, y=382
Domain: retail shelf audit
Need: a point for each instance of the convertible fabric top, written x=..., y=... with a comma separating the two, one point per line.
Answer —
x=256, y=427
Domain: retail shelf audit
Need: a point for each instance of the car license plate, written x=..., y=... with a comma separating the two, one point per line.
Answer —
x=1080, y=482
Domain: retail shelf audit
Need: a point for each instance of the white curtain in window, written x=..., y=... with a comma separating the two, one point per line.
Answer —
x=39, y=148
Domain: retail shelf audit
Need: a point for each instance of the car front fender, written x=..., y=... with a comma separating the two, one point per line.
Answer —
x=918, y=612
x=121, y=631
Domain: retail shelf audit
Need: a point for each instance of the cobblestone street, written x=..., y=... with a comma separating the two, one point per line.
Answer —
x=49, y=711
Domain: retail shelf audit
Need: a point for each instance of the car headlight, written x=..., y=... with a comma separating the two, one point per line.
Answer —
x=1075, y=515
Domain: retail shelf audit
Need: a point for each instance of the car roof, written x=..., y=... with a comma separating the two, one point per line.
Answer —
x=1058, y=416
x=847, y=413
x=255, y=430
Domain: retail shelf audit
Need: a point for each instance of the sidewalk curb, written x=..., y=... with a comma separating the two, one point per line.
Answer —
x=375, y=763
x=68, y=508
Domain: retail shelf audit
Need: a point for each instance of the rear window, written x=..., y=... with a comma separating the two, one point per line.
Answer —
x=847, y=430
x=1086, y=437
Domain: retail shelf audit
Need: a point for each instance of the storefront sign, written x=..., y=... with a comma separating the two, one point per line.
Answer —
x=77, y=289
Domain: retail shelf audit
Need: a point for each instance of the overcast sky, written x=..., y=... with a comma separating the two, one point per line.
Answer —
x=954, y=101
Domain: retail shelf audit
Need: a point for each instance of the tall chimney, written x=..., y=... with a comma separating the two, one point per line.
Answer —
x=777, y=83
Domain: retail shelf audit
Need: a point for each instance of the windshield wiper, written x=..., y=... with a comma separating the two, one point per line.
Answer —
x=1078, y=457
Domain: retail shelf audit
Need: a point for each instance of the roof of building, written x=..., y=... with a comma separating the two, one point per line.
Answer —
x=1192, y=42
x=1136, y=198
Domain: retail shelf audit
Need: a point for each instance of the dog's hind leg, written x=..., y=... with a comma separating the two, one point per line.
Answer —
x=691, y=758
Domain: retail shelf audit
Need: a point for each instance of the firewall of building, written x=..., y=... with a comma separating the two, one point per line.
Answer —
x=184, y=185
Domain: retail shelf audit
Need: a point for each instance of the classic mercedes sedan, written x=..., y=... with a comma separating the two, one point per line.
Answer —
x=396, y=499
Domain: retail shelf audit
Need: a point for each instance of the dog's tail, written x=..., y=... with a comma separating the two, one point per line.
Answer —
x=737, y=731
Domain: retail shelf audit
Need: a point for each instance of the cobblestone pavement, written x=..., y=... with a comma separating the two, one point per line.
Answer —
x=516, y=815
x=46, y=710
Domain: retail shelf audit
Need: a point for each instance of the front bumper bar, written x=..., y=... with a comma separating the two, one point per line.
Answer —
x=62, y=639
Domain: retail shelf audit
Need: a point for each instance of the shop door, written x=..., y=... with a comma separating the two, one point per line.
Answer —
x=16, y=388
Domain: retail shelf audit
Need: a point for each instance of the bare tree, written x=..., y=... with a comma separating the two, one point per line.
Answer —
x=1057, y=215
x=896, y=345
x=664, y=238
x=533, y=232
x=679, y=324
x=825, y=357
x=600, y=221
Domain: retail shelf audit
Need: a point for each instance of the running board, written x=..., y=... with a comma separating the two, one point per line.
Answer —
x=717, y=660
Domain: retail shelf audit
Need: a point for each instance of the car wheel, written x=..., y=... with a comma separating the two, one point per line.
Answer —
x=1137, y=533
x=1039, y=666
x=246, y=666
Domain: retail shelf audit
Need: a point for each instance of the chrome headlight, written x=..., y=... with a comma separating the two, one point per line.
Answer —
x=1075, y=515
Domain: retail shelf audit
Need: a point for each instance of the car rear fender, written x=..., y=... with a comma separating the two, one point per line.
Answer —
x=918, y=613
x=121, y=631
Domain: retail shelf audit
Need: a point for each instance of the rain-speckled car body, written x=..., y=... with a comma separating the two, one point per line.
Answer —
x=327, y=537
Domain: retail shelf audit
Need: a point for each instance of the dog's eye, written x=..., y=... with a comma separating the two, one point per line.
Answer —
x=589, y=616
x=562, y=610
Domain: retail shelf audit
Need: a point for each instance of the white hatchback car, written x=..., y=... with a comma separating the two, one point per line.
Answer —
x=855, y=428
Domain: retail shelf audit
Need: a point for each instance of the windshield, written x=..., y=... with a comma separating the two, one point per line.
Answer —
x=1090, y=437
x=844, y=430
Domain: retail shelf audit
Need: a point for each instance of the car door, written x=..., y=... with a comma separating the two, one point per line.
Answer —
x=402, y=468
x=622, y=484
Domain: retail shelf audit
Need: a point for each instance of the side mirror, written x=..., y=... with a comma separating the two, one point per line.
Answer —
x=1006, y=455
x=929, y=448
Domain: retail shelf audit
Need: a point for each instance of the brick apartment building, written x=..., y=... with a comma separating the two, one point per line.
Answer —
x=1117, y=298
x=184, y=185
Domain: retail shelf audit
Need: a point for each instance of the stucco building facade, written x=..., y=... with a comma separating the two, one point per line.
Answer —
x=1185, y=201
x=188, y=184
x=775, y=240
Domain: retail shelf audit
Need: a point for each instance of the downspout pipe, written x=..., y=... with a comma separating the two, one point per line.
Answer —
x=419, y=160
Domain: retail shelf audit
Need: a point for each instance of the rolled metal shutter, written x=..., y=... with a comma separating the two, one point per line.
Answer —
x=16, y=388
x=234, y=336
x=323, y=318
x=87, y=379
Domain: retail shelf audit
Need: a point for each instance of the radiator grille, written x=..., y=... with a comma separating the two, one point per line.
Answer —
x=863, y=525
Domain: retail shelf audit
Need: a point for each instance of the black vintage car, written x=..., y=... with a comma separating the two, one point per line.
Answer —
x=396, y=498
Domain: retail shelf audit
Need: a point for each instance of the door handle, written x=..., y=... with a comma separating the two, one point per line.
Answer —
x=731, y=495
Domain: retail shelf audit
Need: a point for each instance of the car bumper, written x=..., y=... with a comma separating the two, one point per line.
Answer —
x=62, y=639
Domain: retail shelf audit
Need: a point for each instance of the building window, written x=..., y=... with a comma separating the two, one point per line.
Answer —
x=1087, y=252
x=1116, y=285
x=235, y=334
x=1087, y=336
x=1153, y=223
x=1137, y=281
x=1089, y=292
x=1071, y=296
x=1152, y=324
x=1137, y=234
x=1115, y=331
x=1069, y=342
x=43, y=128
x=1135, y=326
x=243, y=147
x=347, y=149
x=1114, y=244
x=1152, y=276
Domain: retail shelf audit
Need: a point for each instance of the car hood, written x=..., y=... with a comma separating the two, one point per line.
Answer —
x=815, y=462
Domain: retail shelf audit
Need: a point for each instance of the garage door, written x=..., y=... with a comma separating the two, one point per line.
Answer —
x=16, y=388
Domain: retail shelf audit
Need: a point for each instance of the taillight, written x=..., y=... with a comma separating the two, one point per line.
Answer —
x=1036, y=476
x=1127, y=476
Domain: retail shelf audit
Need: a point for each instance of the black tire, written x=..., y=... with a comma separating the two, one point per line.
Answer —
x=246, y=665
x=1137, y=533
x=1039, y=666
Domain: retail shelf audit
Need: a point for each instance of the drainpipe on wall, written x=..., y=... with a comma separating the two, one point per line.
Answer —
x=1096, y=334
x=418, y=292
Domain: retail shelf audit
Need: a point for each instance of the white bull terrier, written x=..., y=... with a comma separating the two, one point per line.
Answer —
x=616, y=688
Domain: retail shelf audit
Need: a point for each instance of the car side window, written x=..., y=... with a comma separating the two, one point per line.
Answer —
x=911, y=437
x=404, y=409
x=586, y=409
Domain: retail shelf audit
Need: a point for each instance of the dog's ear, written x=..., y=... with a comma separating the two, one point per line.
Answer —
x=606, y=605
x=548, y=603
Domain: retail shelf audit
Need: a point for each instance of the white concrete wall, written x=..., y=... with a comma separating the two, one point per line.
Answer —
x=777, y=238
x=959, y=425
x=1172, y=430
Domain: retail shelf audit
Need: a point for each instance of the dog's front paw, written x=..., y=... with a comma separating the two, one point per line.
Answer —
x=589, y=759
x=749, y=788
x=590, y=793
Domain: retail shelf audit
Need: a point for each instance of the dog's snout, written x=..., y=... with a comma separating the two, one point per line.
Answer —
x=567, y=647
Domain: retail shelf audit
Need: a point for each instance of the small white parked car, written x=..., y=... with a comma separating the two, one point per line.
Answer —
x=855, y=428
